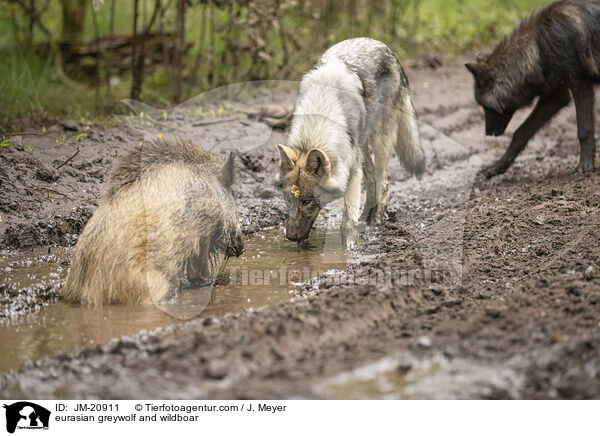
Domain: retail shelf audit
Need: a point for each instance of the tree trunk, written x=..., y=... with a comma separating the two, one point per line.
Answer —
x=73, y=21
x=179, y=51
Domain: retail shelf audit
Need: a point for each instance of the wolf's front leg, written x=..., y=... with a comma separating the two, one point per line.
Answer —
x=370, y=208
x=351, y=207
x=583, y=94
x=545, y=109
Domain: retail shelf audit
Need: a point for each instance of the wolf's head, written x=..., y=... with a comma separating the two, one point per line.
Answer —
x=303, y=181
x=497, y=102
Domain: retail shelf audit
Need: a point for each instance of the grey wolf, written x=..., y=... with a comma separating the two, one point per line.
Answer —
x=354, y=103
x=554, y=54
x=168, y=212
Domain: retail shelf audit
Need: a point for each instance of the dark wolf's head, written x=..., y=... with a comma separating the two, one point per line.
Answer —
x=303, y=181
x=511, y=76
x=499, y=107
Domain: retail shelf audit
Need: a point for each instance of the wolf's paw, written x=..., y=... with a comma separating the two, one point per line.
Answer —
x=348, y=242
x=492, y=170
x=584, y=169
x=369, y=214
x=349, y=235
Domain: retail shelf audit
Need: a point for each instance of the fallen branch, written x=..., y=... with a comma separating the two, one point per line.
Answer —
x=68, y=160
x=222, y=120
x=42, y=188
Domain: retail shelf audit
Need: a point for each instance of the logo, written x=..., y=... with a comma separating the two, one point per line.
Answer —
x=26, y=415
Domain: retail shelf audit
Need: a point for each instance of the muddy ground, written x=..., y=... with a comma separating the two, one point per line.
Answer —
x=496, y=293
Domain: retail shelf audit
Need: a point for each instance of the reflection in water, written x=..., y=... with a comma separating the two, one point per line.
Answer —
x=407, y=376
x=65, y=327
x=270, y=271
x=387, y=379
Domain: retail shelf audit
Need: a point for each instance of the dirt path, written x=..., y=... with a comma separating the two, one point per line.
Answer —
x=486, y=291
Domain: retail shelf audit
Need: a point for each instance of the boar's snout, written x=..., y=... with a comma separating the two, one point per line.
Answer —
x=236, y=246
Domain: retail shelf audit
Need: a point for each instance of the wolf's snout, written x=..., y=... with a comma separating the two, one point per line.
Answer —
x=295, y=236
x=491, y=132
x=496, y=123
x=295, y=233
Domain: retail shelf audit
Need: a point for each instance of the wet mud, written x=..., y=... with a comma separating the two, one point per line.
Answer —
x=466, y=290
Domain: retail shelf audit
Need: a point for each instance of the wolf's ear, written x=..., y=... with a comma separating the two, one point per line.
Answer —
x=227, y=172
x=480, y=57
x=287, y=158
x=317, y=163
x=473, y=68
x=479, y=70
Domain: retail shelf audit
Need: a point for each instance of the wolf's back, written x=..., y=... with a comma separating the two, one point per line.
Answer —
x=386, y=95
x=572, y=31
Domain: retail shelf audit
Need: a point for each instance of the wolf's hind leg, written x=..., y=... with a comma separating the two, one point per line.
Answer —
x=370, y=207
x=544, y=110
x=351, y=206
x=583, y=94
x=383, y=148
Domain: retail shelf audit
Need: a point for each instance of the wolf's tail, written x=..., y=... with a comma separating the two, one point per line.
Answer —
x=408, y=145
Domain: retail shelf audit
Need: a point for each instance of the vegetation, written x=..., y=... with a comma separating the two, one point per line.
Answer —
x=77, y=58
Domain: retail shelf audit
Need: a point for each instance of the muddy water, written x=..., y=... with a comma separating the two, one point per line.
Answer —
x=387, y=379
x=271, y=270
x=406, y=376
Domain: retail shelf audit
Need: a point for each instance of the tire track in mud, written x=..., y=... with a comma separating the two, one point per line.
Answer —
x=528, y=299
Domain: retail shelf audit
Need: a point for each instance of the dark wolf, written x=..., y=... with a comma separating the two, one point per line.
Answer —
x=354, y=103
x=554, y=54
x=168, y=214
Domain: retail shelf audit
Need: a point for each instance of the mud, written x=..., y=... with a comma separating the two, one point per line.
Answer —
x=36, y=324
x=466, y=290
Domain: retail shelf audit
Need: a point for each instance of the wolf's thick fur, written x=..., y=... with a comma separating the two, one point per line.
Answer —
x=355, y=102
x=168, y=211
x=554, y=51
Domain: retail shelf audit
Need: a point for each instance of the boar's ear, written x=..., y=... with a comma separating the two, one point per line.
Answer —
x=479, y=70
x=317, y=163
x=227, y=172
x=287, y=158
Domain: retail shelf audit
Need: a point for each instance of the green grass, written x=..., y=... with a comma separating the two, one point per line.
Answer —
x=445, y=27
x=28, y=87
x=457, y=26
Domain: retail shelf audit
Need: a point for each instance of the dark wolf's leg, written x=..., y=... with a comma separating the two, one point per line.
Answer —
x=583, y=94
x=544, y=110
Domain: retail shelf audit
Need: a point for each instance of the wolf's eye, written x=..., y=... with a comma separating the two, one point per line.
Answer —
x=306, y=201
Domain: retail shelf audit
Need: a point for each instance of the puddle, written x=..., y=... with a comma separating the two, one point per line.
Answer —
x=273, y=268
x=406, y=377
x=387, y=379
x=36, y=268
x=270, y=271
